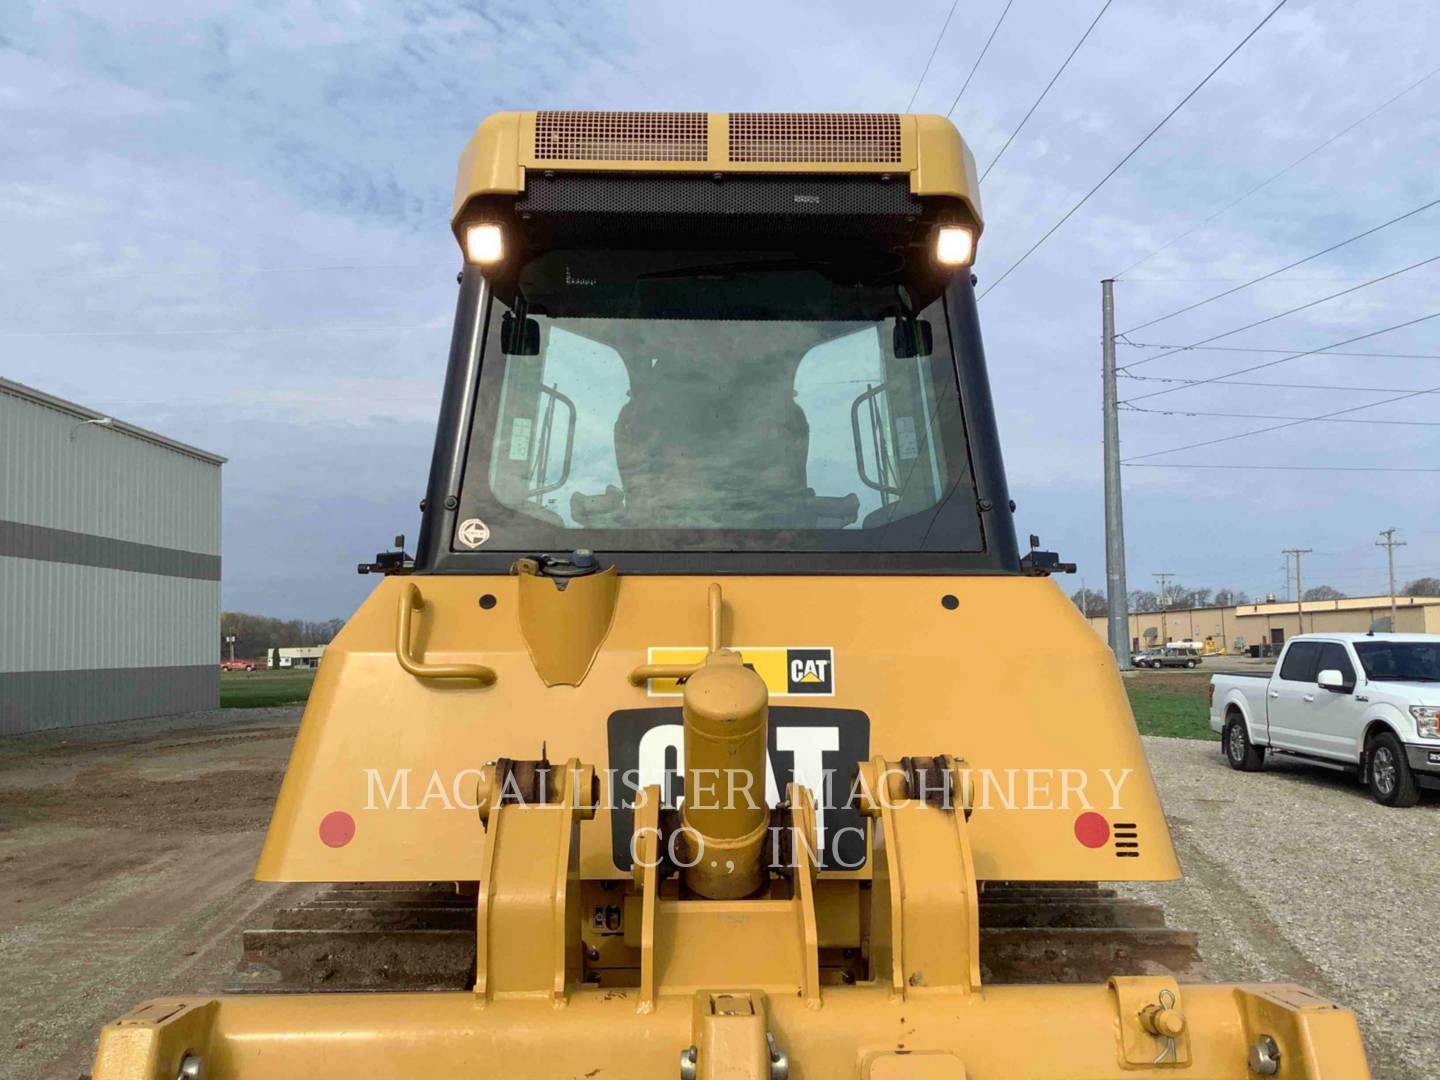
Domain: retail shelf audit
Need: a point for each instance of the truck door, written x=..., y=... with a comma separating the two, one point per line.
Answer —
x=1332, y=718
x=1290, y=694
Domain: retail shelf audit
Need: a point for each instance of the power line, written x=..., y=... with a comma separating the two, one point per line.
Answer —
x=936, y=48
x=1268, y=416
x=1289, y=311
x=1276, y=176
x=1267, y=385
x=1291, y=266
x=1059, y=71
x=983, y=50
x=1136, y=148
x=1256, y=349
x=1282, y=468
x=1293, y=356
x=1281, y=427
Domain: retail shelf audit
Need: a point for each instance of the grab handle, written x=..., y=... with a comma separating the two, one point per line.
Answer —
x=410, y=602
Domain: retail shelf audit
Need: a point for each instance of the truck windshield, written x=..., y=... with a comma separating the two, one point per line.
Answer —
x=1400, y=661
x=651, y=401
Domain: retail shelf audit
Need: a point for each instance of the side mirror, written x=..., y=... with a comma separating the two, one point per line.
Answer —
x=913, y=337
x=1332, y=680
x=519, y=337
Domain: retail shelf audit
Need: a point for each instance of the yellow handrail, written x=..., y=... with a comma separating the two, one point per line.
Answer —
x=410, y=602
x=645, y=672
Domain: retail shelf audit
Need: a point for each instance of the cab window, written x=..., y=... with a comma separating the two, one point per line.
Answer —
x=1300, y=660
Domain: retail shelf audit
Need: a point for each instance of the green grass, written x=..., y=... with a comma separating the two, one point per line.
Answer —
x=259, y=689
x=1171, y=703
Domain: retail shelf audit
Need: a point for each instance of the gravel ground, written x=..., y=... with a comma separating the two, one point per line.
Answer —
x=126, y=853
x=1294, y=874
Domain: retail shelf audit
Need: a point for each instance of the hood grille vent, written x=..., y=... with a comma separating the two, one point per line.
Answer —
x=1127, y=840
x=621, y=136
x=872, y=138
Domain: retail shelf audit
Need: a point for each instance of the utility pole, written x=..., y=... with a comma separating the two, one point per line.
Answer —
x=1390, y=544
x=230, y=640
x=1162, y=582
x=1115, y=596
x=1299, y=589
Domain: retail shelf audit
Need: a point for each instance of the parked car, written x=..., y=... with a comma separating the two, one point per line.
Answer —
x=240, y=665
x=1370, y=702
x=1160, y=658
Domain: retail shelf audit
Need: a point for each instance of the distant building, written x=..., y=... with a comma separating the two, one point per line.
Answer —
x=298, y=656
x=109, y=568
x=1245, y=626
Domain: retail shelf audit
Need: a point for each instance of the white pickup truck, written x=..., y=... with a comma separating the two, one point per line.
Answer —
x=1364, y=701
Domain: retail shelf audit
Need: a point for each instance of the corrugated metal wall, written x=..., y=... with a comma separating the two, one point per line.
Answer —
x=109, y=569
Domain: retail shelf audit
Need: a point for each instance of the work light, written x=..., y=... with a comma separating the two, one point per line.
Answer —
x=483, y=243
x=954, y=245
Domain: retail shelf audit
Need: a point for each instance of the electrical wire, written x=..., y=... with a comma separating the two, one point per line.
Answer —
x=983, y=50
x=1276, y=176
x=1282, y=314
x=934, y=49
x=1257, y=349
x=1135, y=149
x=1059, y=71
x=1281, y=427
x=1292, y=356
x=1291, y=266
x=1269, y=416
x=1270, y=385
x=1285, y=468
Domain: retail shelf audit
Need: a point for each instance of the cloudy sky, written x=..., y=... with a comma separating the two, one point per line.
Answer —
x=227, y=220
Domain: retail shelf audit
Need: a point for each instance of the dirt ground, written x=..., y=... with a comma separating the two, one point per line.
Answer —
x=126, y=853
x=125, y=859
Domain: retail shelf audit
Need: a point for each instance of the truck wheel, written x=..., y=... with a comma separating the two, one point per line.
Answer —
x=1191, y=663
x=1388, y=773
x=1241, y=754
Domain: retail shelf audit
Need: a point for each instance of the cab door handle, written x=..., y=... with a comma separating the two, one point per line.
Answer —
x=1274, y=693
x=1309, y=697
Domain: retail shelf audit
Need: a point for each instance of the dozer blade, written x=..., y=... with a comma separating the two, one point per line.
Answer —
x=1031, y=1032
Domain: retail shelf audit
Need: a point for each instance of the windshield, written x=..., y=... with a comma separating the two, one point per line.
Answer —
x=1400, y=661
x=642, y=401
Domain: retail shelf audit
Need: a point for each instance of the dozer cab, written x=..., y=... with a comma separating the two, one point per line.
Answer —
x=700, y=737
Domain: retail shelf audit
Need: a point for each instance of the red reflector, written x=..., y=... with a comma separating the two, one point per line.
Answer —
x=337, y=828
x=1212, y=693
x=1091, y=829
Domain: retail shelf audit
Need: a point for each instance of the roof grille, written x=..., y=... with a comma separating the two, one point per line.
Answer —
x=872, y=138
x=620, y=136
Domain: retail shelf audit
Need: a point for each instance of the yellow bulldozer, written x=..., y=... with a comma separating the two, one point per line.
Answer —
x=698, y=737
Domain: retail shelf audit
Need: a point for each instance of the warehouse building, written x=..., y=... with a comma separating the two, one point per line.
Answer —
x=1267, y=626
x=109, y=568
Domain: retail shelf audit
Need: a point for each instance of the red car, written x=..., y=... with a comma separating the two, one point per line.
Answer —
x=239, y=665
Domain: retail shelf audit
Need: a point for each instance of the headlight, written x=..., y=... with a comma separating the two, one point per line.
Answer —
x=954, y=246
x=483, y=243
x=1427, y=720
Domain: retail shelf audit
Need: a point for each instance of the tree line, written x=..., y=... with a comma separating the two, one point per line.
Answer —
x=256, y=635
x=1178, y=597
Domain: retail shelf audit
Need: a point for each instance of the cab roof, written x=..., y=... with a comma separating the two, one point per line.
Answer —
x=927, y=149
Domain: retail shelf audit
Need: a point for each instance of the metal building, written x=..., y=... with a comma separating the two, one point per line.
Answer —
x=109, y=568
